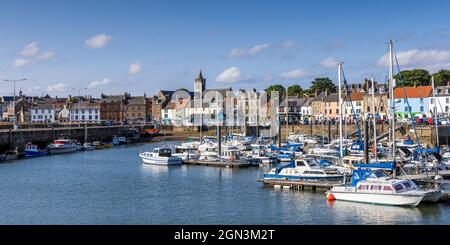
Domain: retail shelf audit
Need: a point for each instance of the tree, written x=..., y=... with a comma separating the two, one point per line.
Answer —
x=295, y=90
x=441, y=77
x=277, y=87
x=419, y=76
x=321, y=84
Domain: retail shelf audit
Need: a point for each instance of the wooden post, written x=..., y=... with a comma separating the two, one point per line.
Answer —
x=329, y=132
x=279, y=132
x=366, y=141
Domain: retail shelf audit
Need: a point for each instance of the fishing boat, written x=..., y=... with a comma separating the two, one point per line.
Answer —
x=371, y=185
x=9, y=155
x=88, y=147
x=32, y=150
x=304, y=169
x=160, y=156
x=63, y=145
x=119, y=140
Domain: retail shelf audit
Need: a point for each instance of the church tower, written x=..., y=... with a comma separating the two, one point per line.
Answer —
x=199, y=85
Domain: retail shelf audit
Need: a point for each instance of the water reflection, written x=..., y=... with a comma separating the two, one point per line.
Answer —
x=380, y=214
x=156, y=169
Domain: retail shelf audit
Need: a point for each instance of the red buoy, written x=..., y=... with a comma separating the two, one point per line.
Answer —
x=330, y=197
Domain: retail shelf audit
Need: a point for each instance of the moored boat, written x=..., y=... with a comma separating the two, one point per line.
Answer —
x=160, y=156
x=371, y=185
x=32, y=150
x=9, y=155
x=304, y=169
x=60, y=146
x=88, y=147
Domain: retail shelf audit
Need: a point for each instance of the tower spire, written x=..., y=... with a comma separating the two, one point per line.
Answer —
x=200, y=75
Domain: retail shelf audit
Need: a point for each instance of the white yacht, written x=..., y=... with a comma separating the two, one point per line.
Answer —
x=208, y=151
x=375, y=187
x=186, y=153
x=160, y=156
x=304, y=169
x=63, y=146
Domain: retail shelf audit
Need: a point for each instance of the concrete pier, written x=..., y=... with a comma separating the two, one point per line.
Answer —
x=10, y=139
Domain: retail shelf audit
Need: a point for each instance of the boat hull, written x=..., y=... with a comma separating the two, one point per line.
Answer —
x=379, y=199
x=62, y=150
x=304, y=177
x=35, y=153
x=161, y=160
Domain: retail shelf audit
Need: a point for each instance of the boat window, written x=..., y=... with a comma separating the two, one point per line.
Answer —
x=398, y=187
x=300, y=163
x=387, y=188
x=407, y=185
x=363, y=187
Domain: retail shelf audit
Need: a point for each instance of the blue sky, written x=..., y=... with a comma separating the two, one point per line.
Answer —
x=144, y=46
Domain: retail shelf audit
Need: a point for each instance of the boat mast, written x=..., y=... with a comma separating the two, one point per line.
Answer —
x=391, y=87
x=374, y=121
x=287, y=114
x=341, y=152
x=435, y=112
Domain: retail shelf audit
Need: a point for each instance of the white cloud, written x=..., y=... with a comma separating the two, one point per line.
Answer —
x=288, y=44
x=46, y=55
x=294, y=74
x=94, y=84
x=98, y=41
x=135, y=68
x=329, y=63
x=415, y=58
x=59, y=87
x=21, y=62
x=33, y=89
x=232, y=74
x=237, y=53
x=30, y=49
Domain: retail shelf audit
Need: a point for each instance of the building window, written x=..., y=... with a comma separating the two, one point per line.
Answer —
x=404, y=100
x=421, y=108
x=82, y=117
x=368, y=108
x=330, y=111
x=337, y=111
x=431, y=101
x=446, y=100
x=446, y=108
x=90, y=117
x=421, y=100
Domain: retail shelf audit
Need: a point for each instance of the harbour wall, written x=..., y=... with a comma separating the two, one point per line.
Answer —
x=10, y=139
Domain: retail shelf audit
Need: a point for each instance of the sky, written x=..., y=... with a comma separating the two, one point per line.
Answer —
x=73, y=47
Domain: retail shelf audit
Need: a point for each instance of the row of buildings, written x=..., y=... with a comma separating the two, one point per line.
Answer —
x=80, y=109
x=323, y=105
x=235, y=107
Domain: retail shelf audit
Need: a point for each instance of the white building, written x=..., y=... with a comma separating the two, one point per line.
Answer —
x=442, y=101
x=85, y=111
x=43, y=113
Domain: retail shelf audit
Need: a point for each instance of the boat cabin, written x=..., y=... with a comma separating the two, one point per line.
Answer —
x=163, y=152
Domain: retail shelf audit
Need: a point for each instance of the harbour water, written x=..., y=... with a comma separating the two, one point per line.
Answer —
x=114, y=187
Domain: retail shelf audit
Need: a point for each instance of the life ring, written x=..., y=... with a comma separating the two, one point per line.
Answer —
x=330, y=197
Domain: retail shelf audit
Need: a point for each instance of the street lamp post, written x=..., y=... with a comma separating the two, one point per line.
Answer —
x=14, y=99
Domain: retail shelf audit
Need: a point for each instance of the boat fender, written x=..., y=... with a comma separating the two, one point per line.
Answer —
x=330, y=197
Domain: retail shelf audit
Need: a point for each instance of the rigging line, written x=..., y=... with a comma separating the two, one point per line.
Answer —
x=413, y=124
x=353, y=109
